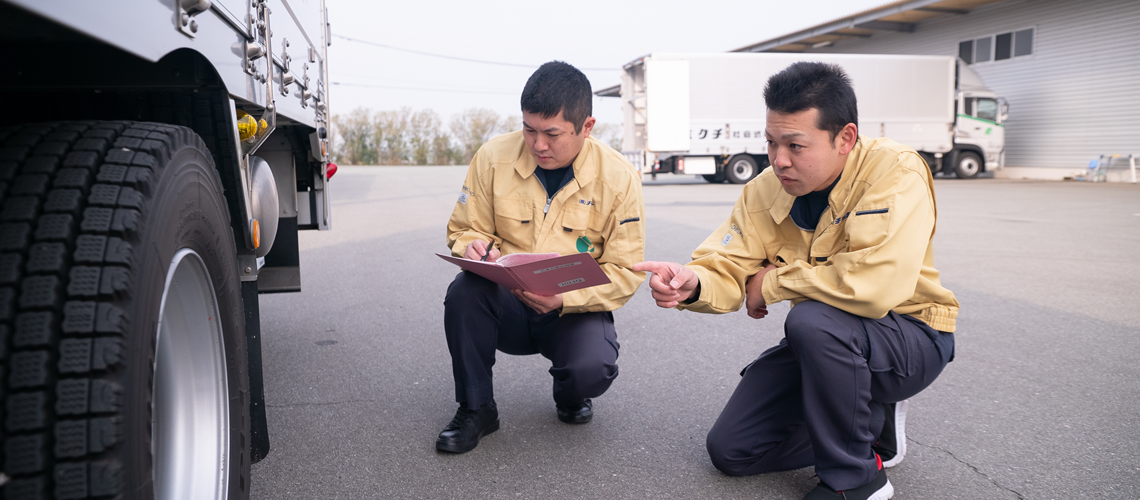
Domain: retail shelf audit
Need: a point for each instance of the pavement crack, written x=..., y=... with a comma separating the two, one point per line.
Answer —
x=971, y=466
x=330, y=403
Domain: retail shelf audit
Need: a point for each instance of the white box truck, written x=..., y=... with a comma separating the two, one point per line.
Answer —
x=690, y=113
x=157, y=161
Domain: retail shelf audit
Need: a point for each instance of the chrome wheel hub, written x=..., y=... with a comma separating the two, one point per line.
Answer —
x=742, y=169
x=969, y=166
x=190, y=421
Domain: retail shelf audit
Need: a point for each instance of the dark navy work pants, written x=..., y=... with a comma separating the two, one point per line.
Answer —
x=816, y=397
x=480, y=317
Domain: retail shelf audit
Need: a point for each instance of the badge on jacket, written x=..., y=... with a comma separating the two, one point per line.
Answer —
x=585, y=245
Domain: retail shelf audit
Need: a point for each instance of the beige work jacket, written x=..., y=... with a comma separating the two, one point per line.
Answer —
x=600, y=212
x=872, y=251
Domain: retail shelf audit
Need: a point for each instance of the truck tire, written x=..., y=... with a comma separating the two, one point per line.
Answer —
x=121, y=319
x=741, y=169
x=930, y=160
x=968, y=165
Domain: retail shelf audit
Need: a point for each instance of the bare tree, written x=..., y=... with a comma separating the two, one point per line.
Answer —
x=356, y=134
x=392, y=137
x=423, y=128
x=511, y=123
x=475, y=126
x=609, y=134
x=406, y=137
x=443, y=152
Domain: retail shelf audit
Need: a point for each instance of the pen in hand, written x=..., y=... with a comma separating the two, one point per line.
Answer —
x=490, y=246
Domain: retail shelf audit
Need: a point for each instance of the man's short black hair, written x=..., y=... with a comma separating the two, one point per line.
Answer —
x=806, y=85
x=559, y=87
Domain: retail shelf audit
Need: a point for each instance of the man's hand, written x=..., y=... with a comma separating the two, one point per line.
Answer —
x=478, y=248
x=754, y=298
x=541, y=304
x=671, y=283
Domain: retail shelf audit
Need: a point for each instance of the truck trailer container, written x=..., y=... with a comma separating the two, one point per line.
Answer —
x=704, y=113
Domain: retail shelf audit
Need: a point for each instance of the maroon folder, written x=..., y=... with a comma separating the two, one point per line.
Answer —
x=539, y=273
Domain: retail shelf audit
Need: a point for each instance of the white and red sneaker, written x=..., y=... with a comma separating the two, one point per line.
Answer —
x=892, y=441
x=878, y=489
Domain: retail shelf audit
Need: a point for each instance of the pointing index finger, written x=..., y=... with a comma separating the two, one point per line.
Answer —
x=649, y=266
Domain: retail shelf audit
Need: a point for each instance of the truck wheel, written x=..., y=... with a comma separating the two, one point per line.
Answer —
x=121, y=319
x=969, y=165
x=741, y=169
x=930, y=161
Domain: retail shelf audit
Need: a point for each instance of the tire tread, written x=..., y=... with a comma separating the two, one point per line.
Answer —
x=72, y=195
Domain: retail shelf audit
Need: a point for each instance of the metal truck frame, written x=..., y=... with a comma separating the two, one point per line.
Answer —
x=703, y=113
x=157, y=160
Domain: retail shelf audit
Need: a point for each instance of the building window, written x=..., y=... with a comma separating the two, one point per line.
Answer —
x=1003, y=46
x=1023, y=43
x=966, y=51
x=998, y=47
x=982, y=49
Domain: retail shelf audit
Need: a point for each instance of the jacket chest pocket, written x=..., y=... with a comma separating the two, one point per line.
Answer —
x=514, y=221
x=832, y=241
x=581, y=229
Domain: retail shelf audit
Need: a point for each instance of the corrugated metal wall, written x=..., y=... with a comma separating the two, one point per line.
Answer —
x=1076, y=97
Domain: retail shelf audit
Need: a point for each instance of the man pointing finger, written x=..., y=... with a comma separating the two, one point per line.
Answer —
x=842, y=226
x=671, y=282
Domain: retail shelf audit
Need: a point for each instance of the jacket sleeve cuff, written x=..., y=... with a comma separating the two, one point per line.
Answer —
x=458, y=248
x=465, y=238
x=701, y=301
x=573, y=302
x=771, y=287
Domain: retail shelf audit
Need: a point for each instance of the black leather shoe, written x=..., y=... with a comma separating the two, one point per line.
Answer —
x=576, y=414
x=463, y=433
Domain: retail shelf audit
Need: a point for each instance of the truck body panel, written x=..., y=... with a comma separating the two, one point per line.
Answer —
x=915, y=100
x=149, y=32
x=667, y=128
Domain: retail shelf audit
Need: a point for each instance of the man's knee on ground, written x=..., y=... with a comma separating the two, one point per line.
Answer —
x=722, y=448
x=806, y=322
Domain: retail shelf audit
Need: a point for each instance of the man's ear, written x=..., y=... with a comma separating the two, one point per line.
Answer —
x=588, y=126
x=847, y=138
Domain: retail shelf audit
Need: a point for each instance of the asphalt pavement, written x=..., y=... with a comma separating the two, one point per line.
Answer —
x=1042, y=401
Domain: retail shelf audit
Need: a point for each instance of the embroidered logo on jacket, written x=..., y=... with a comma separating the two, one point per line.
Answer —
x=585, y=245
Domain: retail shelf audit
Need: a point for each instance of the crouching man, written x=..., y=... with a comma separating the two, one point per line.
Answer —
x=842, y=226
x=547, y=188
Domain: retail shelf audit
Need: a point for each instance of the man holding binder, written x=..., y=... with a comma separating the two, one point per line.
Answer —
x=547, y=188
x=842, y=225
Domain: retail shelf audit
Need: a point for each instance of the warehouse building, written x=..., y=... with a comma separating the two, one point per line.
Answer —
x=1070, y=70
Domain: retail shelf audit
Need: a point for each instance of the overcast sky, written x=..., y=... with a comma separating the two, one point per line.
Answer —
x=597, y=37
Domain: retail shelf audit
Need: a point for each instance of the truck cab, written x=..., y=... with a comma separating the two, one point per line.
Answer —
x=979, y=129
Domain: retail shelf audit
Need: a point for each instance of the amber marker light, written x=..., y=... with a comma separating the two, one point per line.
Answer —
x=256, y=234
